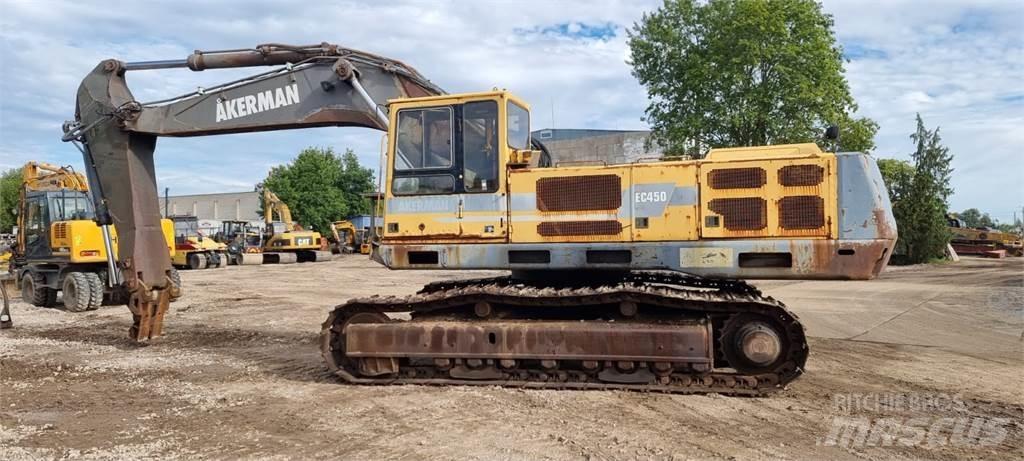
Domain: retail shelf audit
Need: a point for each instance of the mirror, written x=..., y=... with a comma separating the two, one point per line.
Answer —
x=832, y=132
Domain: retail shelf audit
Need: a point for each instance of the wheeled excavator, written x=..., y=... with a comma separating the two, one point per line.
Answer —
x=284, y=241
x=59, y=247
x=621, y=276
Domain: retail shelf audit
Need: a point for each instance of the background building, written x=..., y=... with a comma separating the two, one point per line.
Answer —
x=569, y=146
x=211, y=209
x=236, y=206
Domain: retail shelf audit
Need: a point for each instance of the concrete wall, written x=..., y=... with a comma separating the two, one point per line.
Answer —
x=241, y=206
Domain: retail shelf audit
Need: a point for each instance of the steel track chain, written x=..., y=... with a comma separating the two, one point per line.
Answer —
x=688, y=295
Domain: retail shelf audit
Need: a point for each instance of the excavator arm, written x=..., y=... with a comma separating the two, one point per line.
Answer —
x=314, y=86
x=271, y=205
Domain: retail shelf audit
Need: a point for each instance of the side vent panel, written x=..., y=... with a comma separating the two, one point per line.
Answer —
x=737, y=178
x=564, y=228
x=579, y=193
x=741, y=214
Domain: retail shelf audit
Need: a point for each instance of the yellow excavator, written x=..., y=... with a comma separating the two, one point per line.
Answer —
x=286, y=242
x=60, y=249
x=348, y=239
x=621, y=276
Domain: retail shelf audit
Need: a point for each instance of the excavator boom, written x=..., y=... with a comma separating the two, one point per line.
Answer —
x=318, y=85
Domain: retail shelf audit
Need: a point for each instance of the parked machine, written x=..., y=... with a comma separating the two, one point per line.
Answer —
x=193, y=250
x=981, y=240
x=243, y=241
x=60, y=249
x=285, y=241
x=622, y=276
x=348, y=239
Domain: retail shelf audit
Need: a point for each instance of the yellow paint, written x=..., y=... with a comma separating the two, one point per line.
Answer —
x=82, y=240
x=676, y=191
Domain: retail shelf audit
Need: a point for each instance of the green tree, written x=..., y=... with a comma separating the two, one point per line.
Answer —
x=972, y=217
x=10, y=185
x=1014, y=228
x=741, y=73
x=354, y=182
x=320, y=186
x=921, y=212
x=898, y=176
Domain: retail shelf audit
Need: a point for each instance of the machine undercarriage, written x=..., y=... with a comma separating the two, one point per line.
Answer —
x=660, y=331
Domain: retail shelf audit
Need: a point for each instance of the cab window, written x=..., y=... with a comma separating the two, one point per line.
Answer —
x=70, y=207
x=518, y=126
x=480, y=146
x=423, y=147
x=424, y=139
x=35, y=221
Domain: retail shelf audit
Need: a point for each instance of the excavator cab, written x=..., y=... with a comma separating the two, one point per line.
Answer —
x=446, y=164
x=44, y=208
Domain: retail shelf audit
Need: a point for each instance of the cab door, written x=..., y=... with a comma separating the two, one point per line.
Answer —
x=444, y=182
x=37, y=227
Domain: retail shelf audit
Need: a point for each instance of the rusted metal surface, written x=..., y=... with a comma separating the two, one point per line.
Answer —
x=744, y=213
x=468, y=357
x=801, y=175
x=118, y=135
x=565, y=228
x=737, y=178
x=579, y=193
x=558, y=340
x=802, y=212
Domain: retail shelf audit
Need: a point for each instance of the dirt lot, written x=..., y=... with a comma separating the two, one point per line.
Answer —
x=935, y=350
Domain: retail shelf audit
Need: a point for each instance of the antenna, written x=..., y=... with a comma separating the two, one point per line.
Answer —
x=552, y=112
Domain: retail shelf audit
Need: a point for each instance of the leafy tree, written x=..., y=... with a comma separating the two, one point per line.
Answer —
x=972, y=217
x=898, y=176
x=743, y=72
x=921, y=210
x=1014, y=228
x=320, y=186
x=354, y=182
x=10, y=185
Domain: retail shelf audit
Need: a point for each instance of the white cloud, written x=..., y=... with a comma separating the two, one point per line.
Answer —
x=958, y=64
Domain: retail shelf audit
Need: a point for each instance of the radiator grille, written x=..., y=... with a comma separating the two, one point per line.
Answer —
x=562, y=228
x=801, y=175
x=60, y=230
x=747, y=213
x=801, y=212
x=737, y=178
x=579, y=193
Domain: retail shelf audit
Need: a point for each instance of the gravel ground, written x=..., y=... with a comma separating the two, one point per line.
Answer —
x=929, y=359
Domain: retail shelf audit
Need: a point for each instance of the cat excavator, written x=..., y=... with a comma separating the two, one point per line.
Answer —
x=284, y=241
x=621, y=276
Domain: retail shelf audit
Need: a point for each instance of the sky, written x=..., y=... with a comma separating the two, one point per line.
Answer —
x=959, y=64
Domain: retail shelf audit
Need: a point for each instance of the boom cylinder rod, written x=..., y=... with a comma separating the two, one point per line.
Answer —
x=114, y=278
x=151, y=65
x=381, y=116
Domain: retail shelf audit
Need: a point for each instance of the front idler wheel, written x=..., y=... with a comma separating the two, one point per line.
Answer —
x=753, y=344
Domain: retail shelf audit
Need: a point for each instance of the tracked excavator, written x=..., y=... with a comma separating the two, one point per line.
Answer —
x=621, y=276
x=284, y=241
